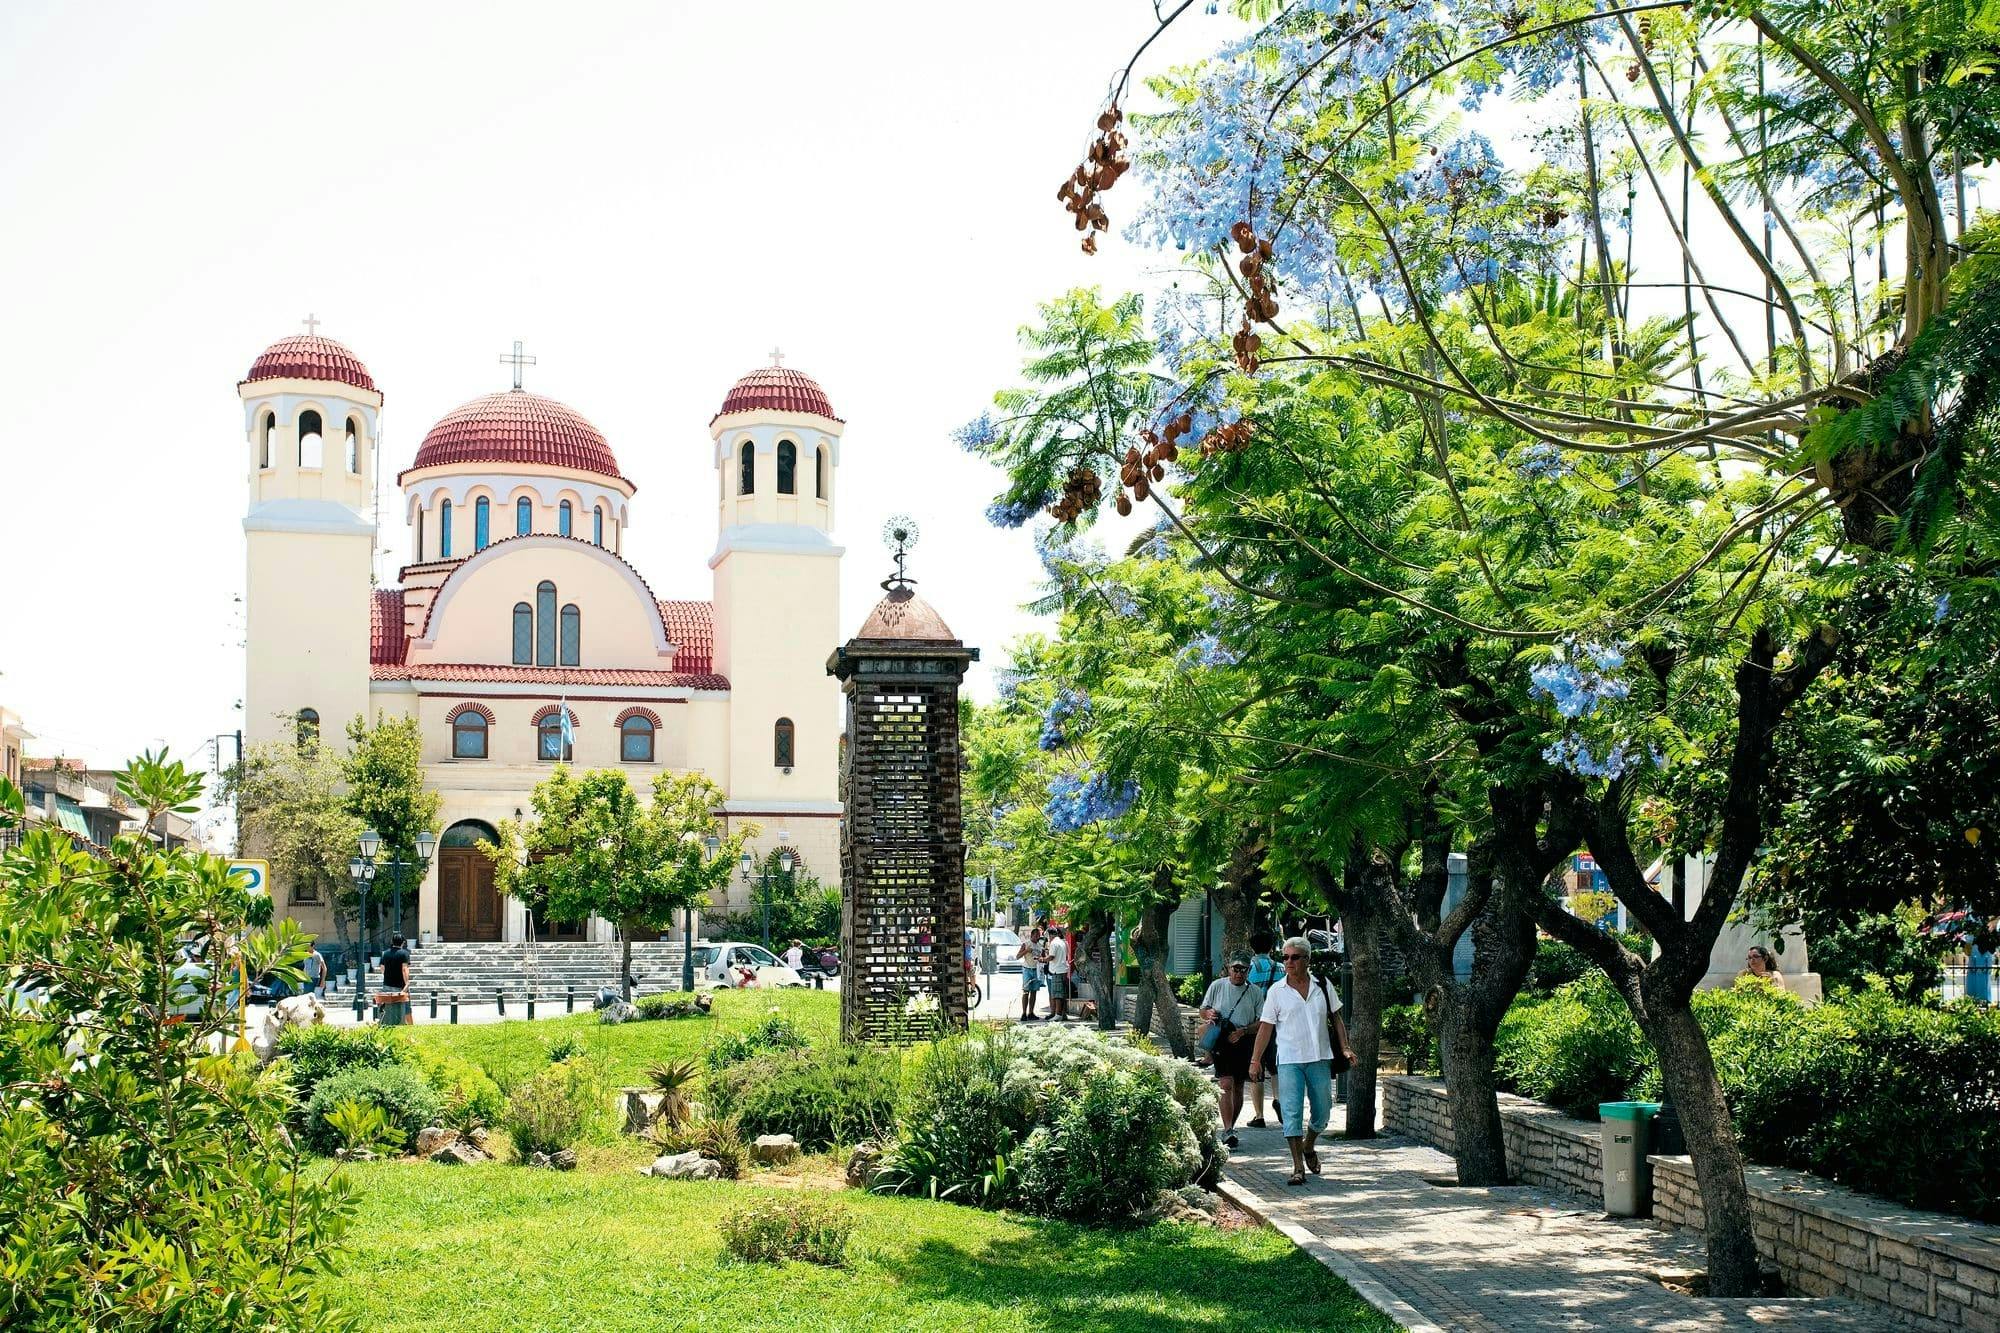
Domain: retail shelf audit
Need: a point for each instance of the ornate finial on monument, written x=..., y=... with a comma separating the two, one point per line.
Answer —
x=899, y=534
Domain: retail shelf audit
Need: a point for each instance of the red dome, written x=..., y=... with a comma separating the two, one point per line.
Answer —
x=517, y=427
x=307, y=356
x=777, y=389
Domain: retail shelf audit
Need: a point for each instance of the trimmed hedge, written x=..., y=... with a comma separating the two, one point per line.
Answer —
x=1891, y=1099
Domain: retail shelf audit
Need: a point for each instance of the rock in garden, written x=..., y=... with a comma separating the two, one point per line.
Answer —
x=433, y=1137
x=642, y=1108
x=481, y=1140
x=863, y=1165
x=459, y=1153
x=704, y=1001
x=618, y=1011
x=774, y=1149
x=683, y=1166
x=563, y=1159
x=539, y=1161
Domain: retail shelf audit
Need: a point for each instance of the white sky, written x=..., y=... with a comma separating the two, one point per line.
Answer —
x=649, y=195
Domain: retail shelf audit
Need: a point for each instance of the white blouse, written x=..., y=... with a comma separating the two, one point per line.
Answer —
x=1301, y=1022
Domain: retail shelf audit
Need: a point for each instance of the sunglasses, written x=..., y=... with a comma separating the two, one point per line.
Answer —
x=1239, y=967
x=1293, y=957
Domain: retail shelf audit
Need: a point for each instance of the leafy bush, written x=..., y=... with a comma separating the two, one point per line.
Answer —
x=1574, y=1049
x=962, y=1114
x=318, y=1053
x=1104, y=1153
x=834, y=1095
x=1408, y=1028
x=717, y=1138
x=406, y=1101
x=775, y=1033
x=1556, y=964
x=469, y=1095
x=814, y=1230
x=558, y=1107
x=1190, y=988
x=667, y=1004
x=361, y=1127
x=146, y=1194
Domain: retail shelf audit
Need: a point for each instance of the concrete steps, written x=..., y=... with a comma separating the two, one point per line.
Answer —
x=476, y=971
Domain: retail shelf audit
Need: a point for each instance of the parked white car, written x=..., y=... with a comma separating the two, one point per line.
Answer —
x=728, y=964
x=1006, y=948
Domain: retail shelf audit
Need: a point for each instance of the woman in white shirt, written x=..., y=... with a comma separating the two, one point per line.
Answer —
x=1302, y=1014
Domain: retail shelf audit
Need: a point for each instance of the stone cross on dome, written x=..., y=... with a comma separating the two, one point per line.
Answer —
x=777, y=357
x=517, y=360
x=311, y=321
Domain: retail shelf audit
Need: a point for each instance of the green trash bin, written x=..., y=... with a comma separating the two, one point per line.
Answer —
x=1628, y=1179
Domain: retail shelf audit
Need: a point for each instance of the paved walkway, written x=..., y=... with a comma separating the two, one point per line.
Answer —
x=1504, y=1260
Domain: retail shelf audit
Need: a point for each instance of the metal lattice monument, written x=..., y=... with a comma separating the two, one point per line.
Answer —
x=902, y=845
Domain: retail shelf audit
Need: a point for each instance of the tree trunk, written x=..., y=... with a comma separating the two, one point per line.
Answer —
x=1478, y=1140
x=1364, y=1021
x=625, y=967
x=1149, y=942
x=1689, y=1074
x=1096, y=954
x=1235, y=899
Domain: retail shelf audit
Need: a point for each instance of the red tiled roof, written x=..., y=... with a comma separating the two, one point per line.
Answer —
x=386, y=637
x=691, y=629
x=517, y=427
x=473, y=672
x=776, y=389
x=307, y=356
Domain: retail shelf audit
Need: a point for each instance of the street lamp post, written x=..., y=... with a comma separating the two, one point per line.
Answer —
x=711, y=847
x=763, y=878
x=364, y=868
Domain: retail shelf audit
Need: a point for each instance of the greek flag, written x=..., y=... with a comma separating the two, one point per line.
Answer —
x=568, y=728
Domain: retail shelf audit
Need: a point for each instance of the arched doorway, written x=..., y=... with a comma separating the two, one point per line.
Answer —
x=468, y=903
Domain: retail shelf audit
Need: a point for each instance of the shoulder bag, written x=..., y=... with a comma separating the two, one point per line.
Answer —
x=1339, y=1064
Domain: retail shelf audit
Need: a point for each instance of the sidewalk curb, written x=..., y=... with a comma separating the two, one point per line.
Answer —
x=1367, y=1288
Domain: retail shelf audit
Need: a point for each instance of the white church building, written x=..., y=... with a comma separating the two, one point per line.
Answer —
x=517, y=601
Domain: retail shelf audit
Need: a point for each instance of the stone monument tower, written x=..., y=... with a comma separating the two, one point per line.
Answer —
x=902, y=847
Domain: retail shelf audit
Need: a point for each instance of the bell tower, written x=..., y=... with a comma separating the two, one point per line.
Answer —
x=311, y=416
x=777, y=604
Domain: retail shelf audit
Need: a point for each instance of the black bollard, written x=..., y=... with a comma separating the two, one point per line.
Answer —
x=434, y=1006
x=531, y=1004
x=571, y=999
x=500, y=1001
x=454, y=1006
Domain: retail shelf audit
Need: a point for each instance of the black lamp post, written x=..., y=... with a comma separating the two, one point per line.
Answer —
x=364, y=868
x=763, y=881
x=361, y=869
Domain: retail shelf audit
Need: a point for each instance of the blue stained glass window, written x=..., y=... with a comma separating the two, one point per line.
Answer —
x=563, y=519
x=482, y=523
x=524, y=634
x=524, y=516
x=545, y=624
x=444, y=530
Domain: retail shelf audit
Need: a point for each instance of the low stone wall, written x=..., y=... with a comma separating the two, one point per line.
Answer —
x=1545, y=1148
x=1128, y=1010
x=1928, y=1270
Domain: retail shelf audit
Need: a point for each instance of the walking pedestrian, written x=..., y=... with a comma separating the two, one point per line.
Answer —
x=1059, y=973
x=315, y=969
x=1232, y=1005
x=1301, y=1020
x=395, y=1008
x=1031, y=953
x=1264, y=972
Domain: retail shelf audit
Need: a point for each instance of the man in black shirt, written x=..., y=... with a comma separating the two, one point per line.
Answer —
x=396, y=981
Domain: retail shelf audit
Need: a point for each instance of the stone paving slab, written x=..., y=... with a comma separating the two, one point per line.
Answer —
x=1503, y=1260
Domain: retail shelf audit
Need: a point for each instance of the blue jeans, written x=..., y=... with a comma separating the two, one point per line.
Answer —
x=1302, y=1083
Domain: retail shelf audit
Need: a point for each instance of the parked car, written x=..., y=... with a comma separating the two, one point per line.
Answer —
x=1006, y=948
x=727, y=964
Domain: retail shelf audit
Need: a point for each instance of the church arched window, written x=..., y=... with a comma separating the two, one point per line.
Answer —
x=635, y=740
x=524, y=516
x=781, y=743
x=572, y=635
x=819, y=473
x=482, y=523
x=597, y=525
x=545, y=623
x=468, y=735
x=788, y=468
x=563, y=517
x=353, y=446
x=264, y=439
x=420, y=536
x=308, y=727
x=312, y=447
x=549, y=742
x=444, y=530
x=524, y=634
x=746, y=469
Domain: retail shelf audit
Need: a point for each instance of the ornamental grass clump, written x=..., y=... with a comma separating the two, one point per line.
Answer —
x=558, y=1107
x=824, y=1097
x=810, y=1230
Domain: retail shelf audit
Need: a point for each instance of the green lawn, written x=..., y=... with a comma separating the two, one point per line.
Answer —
x=516, y=1047
x=503, y=1248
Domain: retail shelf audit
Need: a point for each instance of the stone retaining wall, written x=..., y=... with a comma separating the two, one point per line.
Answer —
x=1929, y=1270
x=1544, y=1147
x=1925, y=1270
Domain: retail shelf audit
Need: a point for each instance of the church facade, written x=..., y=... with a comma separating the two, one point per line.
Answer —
x=517, y=605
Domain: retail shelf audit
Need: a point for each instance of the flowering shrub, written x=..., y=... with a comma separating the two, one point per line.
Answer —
x=973, y=1105
x=1075, y=802
x=814, y=1231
